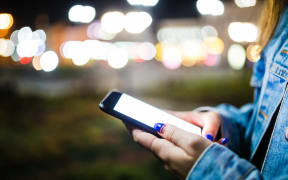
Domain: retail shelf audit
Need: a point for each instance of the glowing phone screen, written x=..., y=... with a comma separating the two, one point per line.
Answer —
x=150, y=115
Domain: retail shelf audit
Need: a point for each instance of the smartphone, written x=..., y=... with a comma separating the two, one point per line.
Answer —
x=140, y=114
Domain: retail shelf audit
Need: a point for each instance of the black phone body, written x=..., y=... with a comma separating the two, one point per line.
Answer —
x=140, y=114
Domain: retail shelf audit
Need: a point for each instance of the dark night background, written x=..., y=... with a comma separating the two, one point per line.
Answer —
x=50, y=123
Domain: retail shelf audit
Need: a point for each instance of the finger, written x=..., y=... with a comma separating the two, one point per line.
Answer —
x=148, y=140
x=223, y=141
x=189, y=116
x=210, y=128
x=177, y=136
x=162, y=148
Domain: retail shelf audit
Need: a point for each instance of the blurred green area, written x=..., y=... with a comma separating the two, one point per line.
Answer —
x=69, y=138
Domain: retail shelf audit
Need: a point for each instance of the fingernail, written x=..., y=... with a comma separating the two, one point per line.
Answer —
x=209, y=136
x=158, y=127
x=224, y=141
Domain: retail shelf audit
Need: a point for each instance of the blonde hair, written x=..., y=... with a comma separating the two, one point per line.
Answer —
x=268, y=21
x=271, y=13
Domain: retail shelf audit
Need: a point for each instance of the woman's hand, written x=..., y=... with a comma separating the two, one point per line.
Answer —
x=178, y=149
x=210, y=122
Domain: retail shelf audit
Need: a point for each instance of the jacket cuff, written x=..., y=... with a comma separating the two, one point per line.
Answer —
x=218, y=162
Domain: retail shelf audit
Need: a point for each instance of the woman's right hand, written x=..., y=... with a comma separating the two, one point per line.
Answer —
x=209, y=121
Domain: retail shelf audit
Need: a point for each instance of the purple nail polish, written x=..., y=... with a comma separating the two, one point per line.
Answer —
x=224, y=141
x=158, y=127
x=209, y=136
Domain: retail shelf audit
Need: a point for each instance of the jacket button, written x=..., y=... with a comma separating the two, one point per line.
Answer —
x=286, y=133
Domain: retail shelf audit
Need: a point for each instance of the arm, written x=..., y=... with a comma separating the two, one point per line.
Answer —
x=218, y=162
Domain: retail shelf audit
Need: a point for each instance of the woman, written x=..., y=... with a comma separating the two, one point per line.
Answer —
x=257, y=132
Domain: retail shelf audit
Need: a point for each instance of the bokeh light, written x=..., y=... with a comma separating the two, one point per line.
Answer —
x=25, y=60
x=81, y=14
x=36, y=63
x=15, y=56
x=24, y=34
x=253, y=52
x=210, y=7
x=211, y=60
x=27, y=48
x=214, y=45
x=133, y=19
x=6, y=21
x=146, y=51
x=3, y=32
x=243, y=32
x=14, y=37
x=49, y=61
x=171, y=57
x=95, y=31
x=113, y=22
x=236, y=56
x=245, y=3
x=3, y=46
x=143, y=2
x=9, y=48
x=117, y=58
x=209, y=31
x=29, y=43
x=192, y=52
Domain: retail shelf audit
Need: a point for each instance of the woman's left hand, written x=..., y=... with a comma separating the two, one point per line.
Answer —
x=178, y=149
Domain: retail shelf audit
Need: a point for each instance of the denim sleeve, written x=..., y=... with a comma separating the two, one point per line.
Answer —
x=234, y=124
x=218, y=162
x=237, y=122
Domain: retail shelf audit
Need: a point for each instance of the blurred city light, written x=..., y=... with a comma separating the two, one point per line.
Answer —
x=179, y=34
x=80, y=54
x=210, y=7
x=82, y=51
x=3, y=32
x=14, y=37
x=15, y=56
x=214, y=45
x=81, y=14
x=6, y=21
x=49, y=61
x=25, y=60
x=192, y=52
x=211, y=60
x=113, y=22
x=146, y=51
x=143, y=2
x=245, y=3
x=36, y=63
x=24, y=34
x=209, y=31
x=137, y=22
x=3, y=46
x=236, y=56
x=243, y=32
x=95, y=31
x=253, y=52
x=117, y=58
x=171, y=57
x=27, y=48
x=29, y=43
x=7, y=47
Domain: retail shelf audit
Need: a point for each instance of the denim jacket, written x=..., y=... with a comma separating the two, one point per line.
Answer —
x=246, y=126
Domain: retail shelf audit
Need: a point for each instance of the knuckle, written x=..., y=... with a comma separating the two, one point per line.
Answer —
x=194, y=142
x=153, y=144
x=170, y=133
